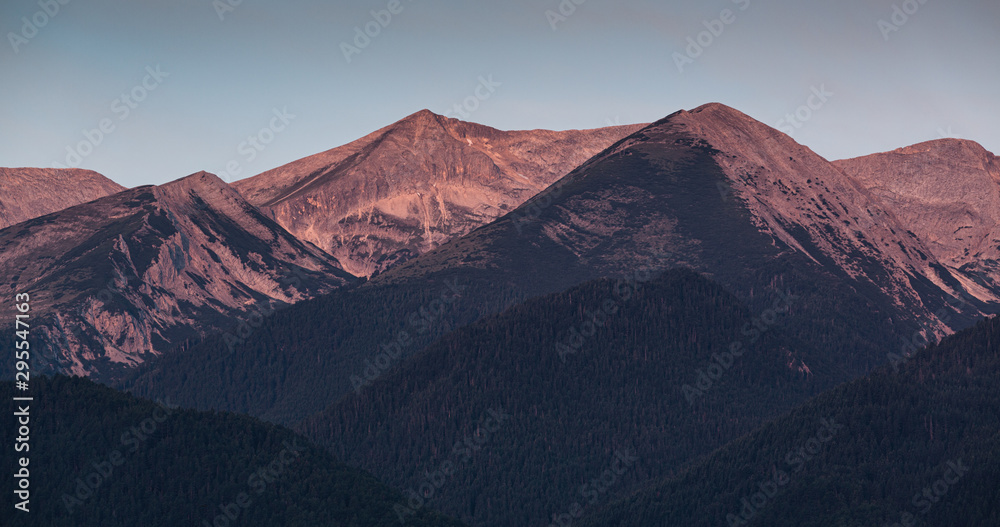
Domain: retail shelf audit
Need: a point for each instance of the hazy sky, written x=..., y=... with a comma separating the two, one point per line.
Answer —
x=178, y=89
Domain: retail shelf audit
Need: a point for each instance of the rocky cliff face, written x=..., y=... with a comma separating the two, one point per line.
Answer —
x=947, y=193
x=128, y=276
x=27, y=193
x=413, y=185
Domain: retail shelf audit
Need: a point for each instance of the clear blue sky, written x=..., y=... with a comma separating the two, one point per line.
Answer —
x=609, y=61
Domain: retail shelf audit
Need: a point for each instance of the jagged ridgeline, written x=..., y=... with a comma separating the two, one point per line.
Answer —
x=100, y=457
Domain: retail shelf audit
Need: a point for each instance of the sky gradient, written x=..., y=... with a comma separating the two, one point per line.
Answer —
x=210, y=75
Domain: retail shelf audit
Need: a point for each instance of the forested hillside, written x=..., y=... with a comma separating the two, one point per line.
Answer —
x=913, y=447
x=298, y=361
x=660, y=369
x=102, y=458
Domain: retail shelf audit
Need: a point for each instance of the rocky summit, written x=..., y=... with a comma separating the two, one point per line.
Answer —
x=409, y=187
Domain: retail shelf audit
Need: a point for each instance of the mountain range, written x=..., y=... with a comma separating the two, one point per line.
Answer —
x=711, y=190
x=659, y=199
x=621, y=326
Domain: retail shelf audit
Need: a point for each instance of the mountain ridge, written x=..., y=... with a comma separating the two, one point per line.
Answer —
x=27, y=193
x=128, y=276
x=650, y=201
x=408, y=187
x=793, y=195
x=946, y=192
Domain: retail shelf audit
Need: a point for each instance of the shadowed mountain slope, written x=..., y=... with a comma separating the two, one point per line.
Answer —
x=913, y=446
x=100, y=457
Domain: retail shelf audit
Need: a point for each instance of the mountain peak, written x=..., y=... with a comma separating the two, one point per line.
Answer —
x=423, y=114
x=198, y=256
x=424, y=117
x=715, y=107
x=202, y=183
x=946, y=191
x=718, y=117
x=411, y=186
x=946, y=146
x=198, y=179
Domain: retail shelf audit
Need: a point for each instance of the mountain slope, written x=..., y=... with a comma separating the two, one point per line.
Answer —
x=947, y=193
x=27, y=193
x=99, y=457
x=300, y=360
x=913, y=447
x=726, y=195
x=662, y=198
x=605, y=367
x=117, y=280
x=415, y=184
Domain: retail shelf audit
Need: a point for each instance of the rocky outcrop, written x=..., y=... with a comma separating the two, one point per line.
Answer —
x=409, y=187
